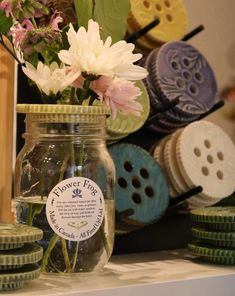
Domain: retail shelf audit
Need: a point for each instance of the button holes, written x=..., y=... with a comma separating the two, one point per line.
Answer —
x=210, y=158
x=149, y=191
x=180, y=83
x=136, y=198
x=144, y=173
x=169, y=18
x=136, y=182
x=122, y=182
x=197, y=151
x=205, y=171
x=220, y=156
x=193, y=89
x=146, y=4
x=158, y=7
x=220, y=175
x=187, y=75
x=175, y=65
x=186, y=62
x=128, y=166
x=198, y=76
x=167, y=4
x=207, y=144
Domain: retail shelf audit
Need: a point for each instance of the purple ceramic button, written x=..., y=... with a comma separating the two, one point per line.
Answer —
x=181, y=71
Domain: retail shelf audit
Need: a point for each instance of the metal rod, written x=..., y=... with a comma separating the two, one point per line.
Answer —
x=133, y=37
x=185, y=195
x=193, y=33
x=124, y=214
x=216, y=106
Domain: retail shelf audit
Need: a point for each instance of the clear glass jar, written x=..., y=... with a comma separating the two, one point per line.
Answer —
x=64, y=184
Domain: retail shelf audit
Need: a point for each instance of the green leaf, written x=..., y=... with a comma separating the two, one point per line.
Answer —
x=112, y=18
x=5, y=23
x=84, y=11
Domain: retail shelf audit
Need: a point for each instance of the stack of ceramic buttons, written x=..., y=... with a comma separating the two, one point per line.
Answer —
x=201, y=154
x=19, y=255
x=214, y=232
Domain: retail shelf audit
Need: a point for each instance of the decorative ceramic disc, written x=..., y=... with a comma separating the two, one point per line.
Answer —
x=125, y=124
x=206, y=156
x=214, y=215
x=172, y=15
x=10, y=280
x=18, y=234
x=171, y=166
x=141, y=185
x=29, y=253
x=215, y=238
x=213, y=254
x=180, y=71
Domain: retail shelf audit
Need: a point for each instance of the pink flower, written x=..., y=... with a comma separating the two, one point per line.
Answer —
x=19, y=31
x=118, y=94
x=55, y=20
x=7, y=7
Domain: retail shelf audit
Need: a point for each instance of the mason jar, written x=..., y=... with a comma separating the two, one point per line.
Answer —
x=64, y=185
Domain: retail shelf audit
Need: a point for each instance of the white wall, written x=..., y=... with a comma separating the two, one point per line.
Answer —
x=216, y=43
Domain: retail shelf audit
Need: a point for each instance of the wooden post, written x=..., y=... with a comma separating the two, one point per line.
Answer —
x=6, y=133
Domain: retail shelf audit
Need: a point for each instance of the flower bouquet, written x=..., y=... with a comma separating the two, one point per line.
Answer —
x=64, y=175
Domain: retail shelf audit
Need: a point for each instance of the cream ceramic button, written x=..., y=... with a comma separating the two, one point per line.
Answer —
x=172, y=15
x=158, y=155
x=171, y=165
x=206, y=157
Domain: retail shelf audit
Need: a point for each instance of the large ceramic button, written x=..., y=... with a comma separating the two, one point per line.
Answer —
x=181, y=71
x=212, y=254
x=141, y=185
x=206, y=156
x=14, y=279
x=12, y=235
x=125, y=124
x=172, y=15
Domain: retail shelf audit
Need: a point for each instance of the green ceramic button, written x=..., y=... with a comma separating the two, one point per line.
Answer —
x=11, y=286
x=125, y=124
x=215, y=218
x=214, y=215
x=212, y=254
x=221, y=239
x=29, y=253
x=14, y=279
x=10, y=246
x=7, y=267
x=18, y=234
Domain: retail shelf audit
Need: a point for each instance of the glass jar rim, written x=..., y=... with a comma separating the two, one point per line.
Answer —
x=63, y=109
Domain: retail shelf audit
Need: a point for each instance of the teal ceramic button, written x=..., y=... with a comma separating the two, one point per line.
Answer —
x=125, y=124
x=140, y=186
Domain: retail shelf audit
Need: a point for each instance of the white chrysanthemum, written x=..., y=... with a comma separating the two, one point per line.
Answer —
x=50, y=79
x=90, y=54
